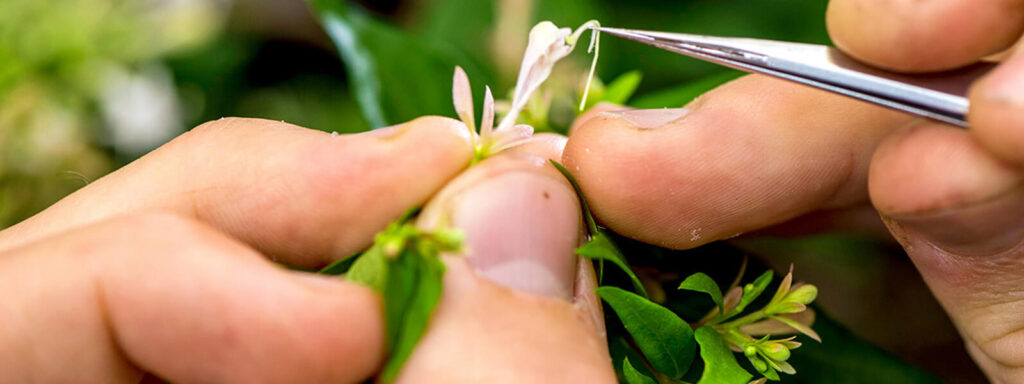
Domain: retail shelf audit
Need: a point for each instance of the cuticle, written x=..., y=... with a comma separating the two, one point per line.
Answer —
x=1017, y=189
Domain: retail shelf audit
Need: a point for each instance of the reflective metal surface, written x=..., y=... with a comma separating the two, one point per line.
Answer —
x=940, y=96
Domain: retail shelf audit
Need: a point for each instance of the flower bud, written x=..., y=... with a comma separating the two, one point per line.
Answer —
x=803, y=294
x=758, y=364
x=785, y=307
x=750, y=350
x=774, y=350
x=450, y=239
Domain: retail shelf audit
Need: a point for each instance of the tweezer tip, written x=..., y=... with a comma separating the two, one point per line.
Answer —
x=627, y=33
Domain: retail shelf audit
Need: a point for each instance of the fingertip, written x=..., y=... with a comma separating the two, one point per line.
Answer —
x=343, y=322
x=448, y=135
x=752, y=153
x=935, y=185
x=594, y=111
x=346, y=186
x=923, y=36
x=996, y=116
x=929, y=167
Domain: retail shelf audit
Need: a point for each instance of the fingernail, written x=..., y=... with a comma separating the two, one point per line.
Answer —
x=984, y=228
x=317, y=282
x=653, y=118
x=1005, y=84
x=385, y=132
x=521, y=230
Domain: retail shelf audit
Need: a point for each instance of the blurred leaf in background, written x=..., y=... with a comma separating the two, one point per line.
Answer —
x=80, y=83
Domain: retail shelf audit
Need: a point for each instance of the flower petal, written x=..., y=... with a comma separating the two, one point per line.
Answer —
x=784, y=286
x=732, y=299
x=546, y=46
x=462, y=98
x=775, y=327
x=511, y=137
x=804, y=329
x=487, y=121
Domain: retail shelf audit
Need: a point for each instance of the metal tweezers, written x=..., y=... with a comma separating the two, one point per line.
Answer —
x=939, y=96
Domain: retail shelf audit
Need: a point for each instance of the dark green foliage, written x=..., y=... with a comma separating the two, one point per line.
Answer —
x=665, y=339
x=340, y=266
x=700, y=282
x=720, y=366
x=633, y=376
x=395, y=77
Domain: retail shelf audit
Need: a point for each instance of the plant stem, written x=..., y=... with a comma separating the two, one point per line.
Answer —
x=745, y=320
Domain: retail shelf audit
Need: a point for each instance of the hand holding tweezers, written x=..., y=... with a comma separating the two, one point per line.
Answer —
x=939, y=96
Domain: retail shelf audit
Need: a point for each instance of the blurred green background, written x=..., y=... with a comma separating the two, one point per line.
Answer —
x=89, y=85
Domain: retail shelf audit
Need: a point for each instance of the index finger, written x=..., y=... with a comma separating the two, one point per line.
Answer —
x=300, y=196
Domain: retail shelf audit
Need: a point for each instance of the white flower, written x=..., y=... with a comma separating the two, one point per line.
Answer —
x=547, y=45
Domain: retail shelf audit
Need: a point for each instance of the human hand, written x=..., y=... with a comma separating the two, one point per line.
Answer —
x=762, y=153
x=160, y=267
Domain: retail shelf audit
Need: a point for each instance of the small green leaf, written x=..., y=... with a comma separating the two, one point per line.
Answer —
x=420, y=278
x=340, y=266
x=803, y=294
x=622, y=88
x=752, y=291
x=665, y=339
x=633, y=376
x=404, y=265
x=587, y=216
x=371, y=269
x=600, y=247
x=700, y=282
x=399, y=292
x=720, y=366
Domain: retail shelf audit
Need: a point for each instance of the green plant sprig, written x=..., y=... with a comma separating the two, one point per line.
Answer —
x=667, y=343
x=404, y=266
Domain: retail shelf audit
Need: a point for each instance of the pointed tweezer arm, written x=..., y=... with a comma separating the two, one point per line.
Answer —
x=941, y=96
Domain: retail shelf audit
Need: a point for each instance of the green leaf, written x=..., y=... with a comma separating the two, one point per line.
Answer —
x=587, y=216
x=633, y=376
x=700, y=282
x=413, y=291
x=371, y=269
x=665, y=339
x=600, y=247
x=404, y=265
x=340, y=266
x=752, y=291
x=720, y=366
x=395, y=76
x=620, y=89
x=681, y=95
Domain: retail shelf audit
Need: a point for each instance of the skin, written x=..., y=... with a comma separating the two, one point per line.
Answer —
x=760, y=154
x=161, y=269
x=154, y=269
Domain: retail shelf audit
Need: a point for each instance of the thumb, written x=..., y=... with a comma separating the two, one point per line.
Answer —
x=959, y=213
x=518, y=305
